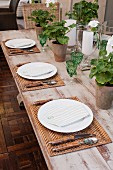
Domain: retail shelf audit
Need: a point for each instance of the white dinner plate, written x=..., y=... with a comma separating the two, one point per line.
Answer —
x=20, y=43
x=37, y=70
x=65, y=115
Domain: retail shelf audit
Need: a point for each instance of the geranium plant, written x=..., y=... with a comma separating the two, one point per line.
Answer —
x=41, y=17
x=84, y=11
x=102, y=68
x=57, y=32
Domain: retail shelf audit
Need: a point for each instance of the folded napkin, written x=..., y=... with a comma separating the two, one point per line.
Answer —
x=22, y=43
x=65, y=116
x=36, y=71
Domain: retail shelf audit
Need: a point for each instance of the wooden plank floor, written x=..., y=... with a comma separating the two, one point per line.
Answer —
x=19, y=148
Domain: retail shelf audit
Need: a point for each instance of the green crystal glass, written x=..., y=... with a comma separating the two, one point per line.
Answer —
x=76, y=57
x=71, y=68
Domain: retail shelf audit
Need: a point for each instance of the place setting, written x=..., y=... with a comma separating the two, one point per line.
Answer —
x=67, y=125
x=37, y=75
x=20, y=46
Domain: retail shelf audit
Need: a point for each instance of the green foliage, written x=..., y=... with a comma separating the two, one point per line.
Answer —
x=102, y=68
x=41, y=17
x=71, y=65
x=57, y=31
x=84, y=11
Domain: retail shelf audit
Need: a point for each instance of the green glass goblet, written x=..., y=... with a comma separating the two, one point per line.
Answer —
x=43, y=39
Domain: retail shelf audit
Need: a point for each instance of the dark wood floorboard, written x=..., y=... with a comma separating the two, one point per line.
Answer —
x=19, y=149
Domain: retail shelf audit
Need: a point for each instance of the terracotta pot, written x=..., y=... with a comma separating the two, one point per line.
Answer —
x=38, y=30
x=104, y=96
x=59, y=51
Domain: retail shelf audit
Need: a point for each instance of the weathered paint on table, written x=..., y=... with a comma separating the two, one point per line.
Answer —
x=97, y=158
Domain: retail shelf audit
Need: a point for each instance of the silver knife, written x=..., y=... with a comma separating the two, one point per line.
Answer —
x=72, y=138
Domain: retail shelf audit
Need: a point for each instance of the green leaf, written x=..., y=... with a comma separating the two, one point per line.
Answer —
x=94, y=62
x=103, y=78
x=93, y=72
x=102, y=52
x=63, y=40
x=72, y=26
x=100, y=66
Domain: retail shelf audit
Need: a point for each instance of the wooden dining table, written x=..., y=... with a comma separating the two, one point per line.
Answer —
x=94, y=158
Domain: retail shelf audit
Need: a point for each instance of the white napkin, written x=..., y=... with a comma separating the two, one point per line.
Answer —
x=37, y=71
x=65, y=116
x=21, y=43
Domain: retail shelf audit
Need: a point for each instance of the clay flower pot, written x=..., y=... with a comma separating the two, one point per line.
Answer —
x=104, y=96
x=59, y=51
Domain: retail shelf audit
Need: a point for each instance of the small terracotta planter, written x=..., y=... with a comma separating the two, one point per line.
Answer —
x=59, y=51
x=38, y=30
x=104, y=96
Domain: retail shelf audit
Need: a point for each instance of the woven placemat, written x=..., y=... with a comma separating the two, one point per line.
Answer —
x=49, y=136
x=17, y=51
x=30, y=85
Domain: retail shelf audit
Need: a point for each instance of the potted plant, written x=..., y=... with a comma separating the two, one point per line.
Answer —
x=42, y=17
x=83, y=12
x=57, y=33
x=102, y=70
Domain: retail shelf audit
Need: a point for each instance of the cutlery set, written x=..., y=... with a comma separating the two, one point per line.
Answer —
x=87, y=141
x=41, y=83
x=90, y=139
x=18, y=51
x=71, y=139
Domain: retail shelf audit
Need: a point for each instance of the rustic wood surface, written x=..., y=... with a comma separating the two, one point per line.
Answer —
x=100, y=158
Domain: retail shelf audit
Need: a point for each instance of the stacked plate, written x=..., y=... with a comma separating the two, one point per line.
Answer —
x=37, y=70
x=20, y=43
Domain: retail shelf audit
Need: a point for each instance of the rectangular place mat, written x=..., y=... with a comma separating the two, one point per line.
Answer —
x=24, y=84
x=50, y=136
x=17, y=51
